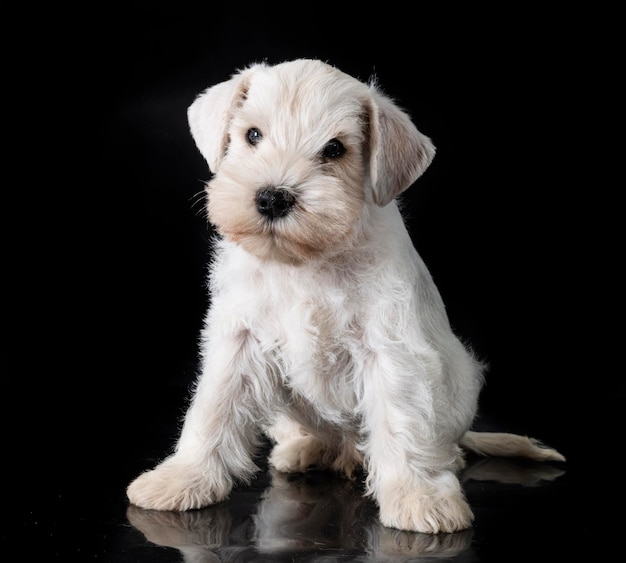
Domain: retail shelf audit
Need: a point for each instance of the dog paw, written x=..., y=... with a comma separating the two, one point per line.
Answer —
x=426, y=511
x=173, y=486
x=298, y=454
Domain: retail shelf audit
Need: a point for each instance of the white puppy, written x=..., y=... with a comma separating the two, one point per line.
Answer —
x=325, y=329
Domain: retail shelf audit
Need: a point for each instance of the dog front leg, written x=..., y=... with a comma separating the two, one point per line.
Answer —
x=411, y=455
x=220, y=431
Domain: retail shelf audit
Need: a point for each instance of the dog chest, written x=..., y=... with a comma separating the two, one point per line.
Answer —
x=301, y=321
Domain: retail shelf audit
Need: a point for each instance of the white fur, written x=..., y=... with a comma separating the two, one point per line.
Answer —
x=325, y=329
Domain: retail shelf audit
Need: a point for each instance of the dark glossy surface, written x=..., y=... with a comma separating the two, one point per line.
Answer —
x=525, y=511
x=106, y=295
x=312, y=516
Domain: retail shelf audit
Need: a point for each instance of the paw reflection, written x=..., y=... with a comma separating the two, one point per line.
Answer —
x=311, y=512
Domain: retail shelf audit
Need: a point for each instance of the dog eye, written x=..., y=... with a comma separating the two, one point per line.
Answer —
x=254, y=136
x=333, y=149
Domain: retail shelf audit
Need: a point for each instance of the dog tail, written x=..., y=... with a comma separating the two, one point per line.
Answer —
x=503, y=444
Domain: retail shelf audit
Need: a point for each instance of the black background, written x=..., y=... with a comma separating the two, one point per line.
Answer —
x=517, y=217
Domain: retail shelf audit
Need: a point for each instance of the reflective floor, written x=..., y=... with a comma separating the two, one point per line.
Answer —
x=317, y=517
x=524, y=511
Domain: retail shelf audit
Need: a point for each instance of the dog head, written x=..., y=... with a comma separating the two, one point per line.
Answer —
x=298, y=152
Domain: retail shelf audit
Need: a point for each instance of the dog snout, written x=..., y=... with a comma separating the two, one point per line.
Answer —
x=274, y=203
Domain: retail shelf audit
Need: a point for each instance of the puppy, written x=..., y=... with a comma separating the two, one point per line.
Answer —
x=325, y=329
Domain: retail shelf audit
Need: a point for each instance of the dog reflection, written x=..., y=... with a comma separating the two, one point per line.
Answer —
x=307, y=512
x=510, y=470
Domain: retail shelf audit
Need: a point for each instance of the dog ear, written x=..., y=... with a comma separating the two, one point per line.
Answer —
x=210, y=113
x=399, y=153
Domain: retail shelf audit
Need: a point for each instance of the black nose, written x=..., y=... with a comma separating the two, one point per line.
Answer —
x=274, y=203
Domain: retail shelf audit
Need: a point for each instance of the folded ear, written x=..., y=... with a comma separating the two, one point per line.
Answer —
x=399, y=153
x=210, y=114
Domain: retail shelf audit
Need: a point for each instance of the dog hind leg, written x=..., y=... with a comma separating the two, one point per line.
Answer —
x=296, y=449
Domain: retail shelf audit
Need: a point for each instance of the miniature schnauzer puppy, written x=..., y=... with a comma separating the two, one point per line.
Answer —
x=325, y=330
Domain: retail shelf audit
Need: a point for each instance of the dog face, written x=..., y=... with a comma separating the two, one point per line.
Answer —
x=299, y=151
